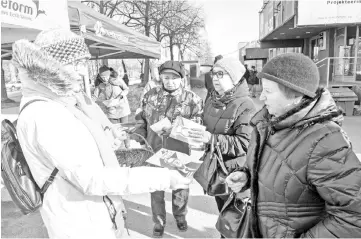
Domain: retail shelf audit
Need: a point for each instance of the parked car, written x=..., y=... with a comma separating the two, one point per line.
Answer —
x=13, y=85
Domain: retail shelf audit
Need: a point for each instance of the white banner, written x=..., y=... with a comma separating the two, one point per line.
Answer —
x=35, y=14
x=321, y=12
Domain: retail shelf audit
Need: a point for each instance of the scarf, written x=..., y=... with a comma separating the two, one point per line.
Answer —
x=83, y=109
x=220, y=101
x=94, y=119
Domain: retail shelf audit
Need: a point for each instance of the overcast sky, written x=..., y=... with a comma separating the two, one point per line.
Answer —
x=229, y=22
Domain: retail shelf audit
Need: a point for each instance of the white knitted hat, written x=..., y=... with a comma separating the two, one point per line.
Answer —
x=233, y=67
x=63, y=45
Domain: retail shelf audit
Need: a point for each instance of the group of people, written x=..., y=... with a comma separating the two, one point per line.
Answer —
x=292, y=155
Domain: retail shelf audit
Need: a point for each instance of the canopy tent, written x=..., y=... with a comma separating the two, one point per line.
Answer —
x=109, y=39
x=26, y=18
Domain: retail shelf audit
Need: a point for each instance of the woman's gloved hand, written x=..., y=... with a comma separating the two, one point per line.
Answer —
x=236, y=181
x=200, y=135
x=177, y=181
x=119, y=132
x=165, y=131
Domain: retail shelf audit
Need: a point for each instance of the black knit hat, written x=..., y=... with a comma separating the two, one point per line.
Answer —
x=175, y=66
x=293, y=70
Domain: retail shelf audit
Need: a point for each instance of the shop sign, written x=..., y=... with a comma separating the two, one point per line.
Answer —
x=34, y=14
x=101, y=31
x=321, y=12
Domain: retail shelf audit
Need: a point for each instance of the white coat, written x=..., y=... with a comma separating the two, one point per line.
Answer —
x=73, y=206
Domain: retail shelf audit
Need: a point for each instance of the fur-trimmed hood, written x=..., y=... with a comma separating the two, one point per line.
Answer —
x=310, y=110
x=42, y=68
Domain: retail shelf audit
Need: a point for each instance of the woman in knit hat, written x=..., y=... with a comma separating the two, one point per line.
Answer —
x=304, y=177
x=227, y=113
x=64, y=129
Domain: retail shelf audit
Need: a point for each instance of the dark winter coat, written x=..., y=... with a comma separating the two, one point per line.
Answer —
x=208, y=83
x=305, y=178
x=228, y=120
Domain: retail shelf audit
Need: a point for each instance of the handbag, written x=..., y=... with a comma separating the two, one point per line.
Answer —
x=234, y=218
x=212, y=173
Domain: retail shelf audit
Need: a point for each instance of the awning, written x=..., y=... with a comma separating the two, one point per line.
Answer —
x=24, y=19
x=256, y=53
x=109, y=39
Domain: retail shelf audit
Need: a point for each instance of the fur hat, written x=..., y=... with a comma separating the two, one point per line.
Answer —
x=293, y=70
x=44, y=60
x=63, y=45
x=233, y=67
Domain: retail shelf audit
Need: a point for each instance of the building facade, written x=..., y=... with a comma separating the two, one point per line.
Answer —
x=328, y=31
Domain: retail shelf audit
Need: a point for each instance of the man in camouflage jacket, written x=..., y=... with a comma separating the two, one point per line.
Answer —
x=168, y=100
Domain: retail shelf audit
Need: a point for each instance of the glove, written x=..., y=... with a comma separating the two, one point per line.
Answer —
x=177, y=181
x=236, y=181
x=200, y=135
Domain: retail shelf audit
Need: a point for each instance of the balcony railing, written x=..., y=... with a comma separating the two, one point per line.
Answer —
x=340, y=69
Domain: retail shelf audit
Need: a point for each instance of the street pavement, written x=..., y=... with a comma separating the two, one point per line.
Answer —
x=202, y=210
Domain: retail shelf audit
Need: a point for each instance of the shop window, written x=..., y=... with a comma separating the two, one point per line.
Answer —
x=351, y=46
x=342, y=52
x=358, y=55
x=317, y=44
x=346, y=62
x=278, y=15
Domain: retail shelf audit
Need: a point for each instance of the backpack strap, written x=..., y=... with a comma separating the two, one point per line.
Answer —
x=28, y=103
x=49, y=181
x=55, y=171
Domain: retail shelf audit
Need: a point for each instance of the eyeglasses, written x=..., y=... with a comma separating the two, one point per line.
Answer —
x=80, y=64
x=219, y=74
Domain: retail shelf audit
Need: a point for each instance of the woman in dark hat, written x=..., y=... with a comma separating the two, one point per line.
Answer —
x=304, y=177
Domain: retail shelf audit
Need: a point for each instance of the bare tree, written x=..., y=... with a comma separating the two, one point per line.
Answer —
x=183, y=29
x=107, y=8
x=147, y=16
x=176, y=22
x=205, y=53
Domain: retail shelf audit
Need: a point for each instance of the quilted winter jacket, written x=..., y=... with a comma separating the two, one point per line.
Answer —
x=230, y=125
x=158, y=104
x=305, y=177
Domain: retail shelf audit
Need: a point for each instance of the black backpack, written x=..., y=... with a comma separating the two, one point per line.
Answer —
x=15, y=171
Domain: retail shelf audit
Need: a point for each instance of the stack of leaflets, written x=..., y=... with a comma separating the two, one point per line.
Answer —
x=186, y=165
x=180, y=131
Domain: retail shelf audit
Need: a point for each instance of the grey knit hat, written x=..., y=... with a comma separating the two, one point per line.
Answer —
x=63, y=45
x=293, y=70
x=233, y=67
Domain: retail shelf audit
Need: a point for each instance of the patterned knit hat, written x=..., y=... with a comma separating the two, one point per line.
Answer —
x=63, y=45
x=233, y=67
x=293, y=70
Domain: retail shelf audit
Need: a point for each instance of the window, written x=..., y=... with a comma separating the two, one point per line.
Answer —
x=278, y=14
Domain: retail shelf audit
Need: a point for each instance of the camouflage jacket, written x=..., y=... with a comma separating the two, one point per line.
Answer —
x=158, y=104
